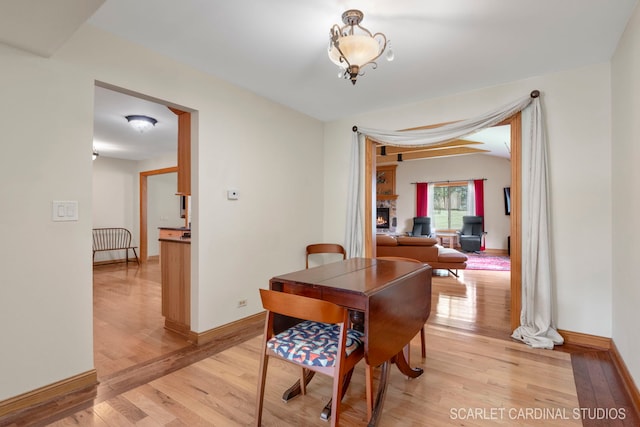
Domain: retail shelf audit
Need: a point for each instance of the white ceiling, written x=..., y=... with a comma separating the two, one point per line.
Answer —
x=114, y=137
x=278, y=48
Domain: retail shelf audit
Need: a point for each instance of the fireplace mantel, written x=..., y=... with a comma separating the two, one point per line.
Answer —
x=386, y=182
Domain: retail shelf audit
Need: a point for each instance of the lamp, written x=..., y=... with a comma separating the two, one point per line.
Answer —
x=352, y=50
x=141, y=123
x=95, y=153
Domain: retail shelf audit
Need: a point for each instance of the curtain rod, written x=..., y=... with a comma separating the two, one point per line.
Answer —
x=452, y=180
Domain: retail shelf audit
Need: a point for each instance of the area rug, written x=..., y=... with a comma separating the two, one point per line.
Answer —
x=488, y=262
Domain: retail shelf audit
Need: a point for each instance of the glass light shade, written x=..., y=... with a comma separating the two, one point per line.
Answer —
x=141, y=125
x=358, y=50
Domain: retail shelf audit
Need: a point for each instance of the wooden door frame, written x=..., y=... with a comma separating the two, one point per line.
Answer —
x=515, y=122
x=143, y=207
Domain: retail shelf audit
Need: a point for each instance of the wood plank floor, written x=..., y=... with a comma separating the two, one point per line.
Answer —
x=128, y=327
x=474, y=374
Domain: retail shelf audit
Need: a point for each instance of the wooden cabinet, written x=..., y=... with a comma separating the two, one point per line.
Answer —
x=165, y=233
x=386, y=182
x=175, y=267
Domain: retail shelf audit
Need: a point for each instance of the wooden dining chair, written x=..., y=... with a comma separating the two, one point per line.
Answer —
x=423, y=346
x=325, y=248
x=322, y=343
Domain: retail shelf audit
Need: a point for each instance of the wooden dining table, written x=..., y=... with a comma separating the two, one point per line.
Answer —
x=390, y=302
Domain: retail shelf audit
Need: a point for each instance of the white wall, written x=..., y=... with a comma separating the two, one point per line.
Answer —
x=163, y=207
x=271, y=154
x=115, y=199
x=578, y=117
x=496, y=170
x=45, y=291
x=626, y=198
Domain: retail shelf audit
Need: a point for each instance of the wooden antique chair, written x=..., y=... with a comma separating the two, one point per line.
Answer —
x=325, y=248
x=423, y=346
x=321, y=342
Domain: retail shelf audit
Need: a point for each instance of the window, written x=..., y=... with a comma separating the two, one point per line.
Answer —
x=450, y=204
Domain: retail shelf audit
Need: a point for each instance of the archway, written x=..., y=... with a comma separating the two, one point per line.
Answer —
x=515, y=123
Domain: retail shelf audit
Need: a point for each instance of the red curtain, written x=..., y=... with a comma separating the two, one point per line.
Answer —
x=478, y=185
x=422, y=199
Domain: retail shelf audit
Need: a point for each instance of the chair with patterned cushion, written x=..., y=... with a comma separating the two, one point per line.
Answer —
x=320, y=342
x=325, y=248
x=423, y=345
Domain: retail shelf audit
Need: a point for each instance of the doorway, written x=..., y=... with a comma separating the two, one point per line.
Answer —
x=128, y=322
x=145, y=235
x=515, y=123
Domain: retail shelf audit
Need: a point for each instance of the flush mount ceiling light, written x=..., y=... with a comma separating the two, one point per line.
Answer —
x=352, y=47
x=141, y=123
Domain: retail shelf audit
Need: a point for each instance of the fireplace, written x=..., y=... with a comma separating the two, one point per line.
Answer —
x=382, y=218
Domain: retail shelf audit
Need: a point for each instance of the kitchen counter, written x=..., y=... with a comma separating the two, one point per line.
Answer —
x=174, y=232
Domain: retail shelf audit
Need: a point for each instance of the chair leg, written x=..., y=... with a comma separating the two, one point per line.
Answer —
x=369, y=389
x=262, y=377
x=338, y=384
x=326, y=411
x=422, y=343
x=303, y=383
x=134, y=252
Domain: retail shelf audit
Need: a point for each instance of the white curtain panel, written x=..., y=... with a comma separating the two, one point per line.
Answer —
x=536, y=317
x=354, y=237
x=536, y=328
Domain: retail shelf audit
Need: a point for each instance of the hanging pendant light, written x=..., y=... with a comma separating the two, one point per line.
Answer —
x=353, y=47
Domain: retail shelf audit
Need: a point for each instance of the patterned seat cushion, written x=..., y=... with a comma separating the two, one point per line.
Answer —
x=313, y=343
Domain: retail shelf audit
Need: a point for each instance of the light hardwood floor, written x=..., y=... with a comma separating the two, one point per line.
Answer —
x=128, y=327
x=474, y=374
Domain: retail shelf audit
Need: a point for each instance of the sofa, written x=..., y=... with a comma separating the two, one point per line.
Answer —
x=423, y=249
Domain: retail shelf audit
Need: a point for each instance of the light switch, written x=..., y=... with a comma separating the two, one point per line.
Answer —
x=64, y=210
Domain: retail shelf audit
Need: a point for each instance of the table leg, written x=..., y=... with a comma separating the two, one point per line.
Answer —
x=295, y=389
x=357, y=320
x=403, y=366
x=382, y=390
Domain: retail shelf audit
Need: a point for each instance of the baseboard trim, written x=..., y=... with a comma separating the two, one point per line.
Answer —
x=132, y=259
x=49, y=392
x=627, y=379
x=178, y=328
x=240, y=330
x=586, y=340
x=496, y=252
x=608, y=344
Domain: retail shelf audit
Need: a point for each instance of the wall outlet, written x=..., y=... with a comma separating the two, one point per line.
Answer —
x=242, y=303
